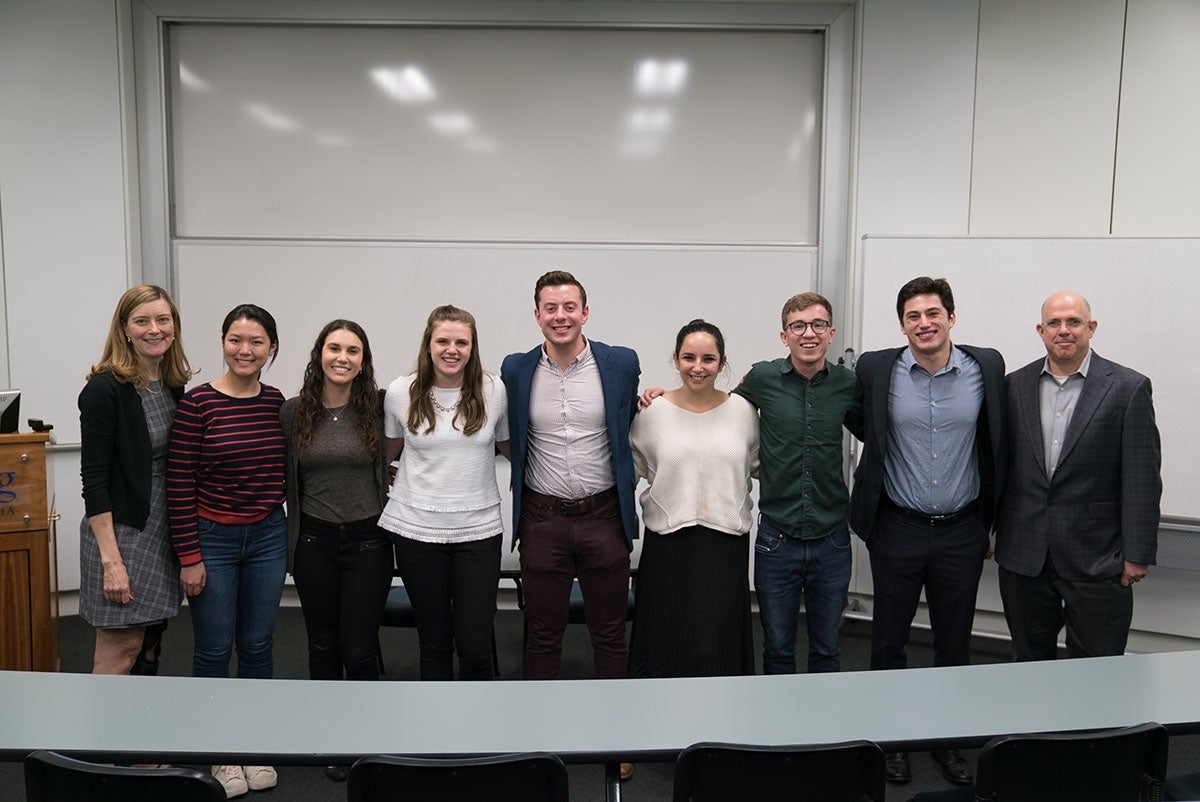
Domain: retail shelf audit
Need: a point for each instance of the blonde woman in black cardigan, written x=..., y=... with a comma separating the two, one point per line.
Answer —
x=129, y=578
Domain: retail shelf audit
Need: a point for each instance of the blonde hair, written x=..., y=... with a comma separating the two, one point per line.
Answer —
x=120, y=358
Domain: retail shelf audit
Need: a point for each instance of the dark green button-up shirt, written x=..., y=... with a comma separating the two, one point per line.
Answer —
x=802, y=486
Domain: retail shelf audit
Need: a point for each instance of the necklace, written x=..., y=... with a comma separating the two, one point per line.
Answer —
x=150, y=386
x=441, y=408
x=333, y=413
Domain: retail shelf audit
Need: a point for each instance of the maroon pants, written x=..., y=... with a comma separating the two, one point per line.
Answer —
x=556, y=548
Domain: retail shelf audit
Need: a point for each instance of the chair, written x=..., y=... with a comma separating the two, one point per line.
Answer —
x=51, y=777
x=1128, y=764
x=398, y=612
x=846, y=772
x=531, y=777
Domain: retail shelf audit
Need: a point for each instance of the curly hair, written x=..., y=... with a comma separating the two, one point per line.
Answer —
x=364, y=393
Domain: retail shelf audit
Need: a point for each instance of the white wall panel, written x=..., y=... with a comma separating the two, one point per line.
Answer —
x=918, y=81
x=61, y=196
x=1157, y=188
x=1046, y=116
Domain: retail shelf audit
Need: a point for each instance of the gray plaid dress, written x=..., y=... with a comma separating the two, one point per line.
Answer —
x=148, y=556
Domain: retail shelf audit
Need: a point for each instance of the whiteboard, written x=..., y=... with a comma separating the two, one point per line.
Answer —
x=638, y=297
x=1142, y=292
x=510, y=134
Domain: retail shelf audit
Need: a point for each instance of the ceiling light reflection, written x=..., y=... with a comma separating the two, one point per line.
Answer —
x=332, y=140
x=649, y=120
x=452, y=123
x=407, y=84
x=657, y=77
x=191, y=80
x=269, y=117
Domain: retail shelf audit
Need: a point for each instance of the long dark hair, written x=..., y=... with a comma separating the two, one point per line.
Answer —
x=472, y=411
x=364, y=393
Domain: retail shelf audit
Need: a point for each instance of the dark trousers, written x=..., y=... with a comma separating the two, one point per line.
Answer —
x=452, y=587
x=556, y=548
x=1097, y=614
x=946, y=561
x=342, y=574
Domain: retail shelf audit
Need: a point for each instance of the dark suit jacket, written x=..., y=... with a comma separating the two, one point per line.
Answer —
x=619, y=371
x=1102, y=505
x=874, y=380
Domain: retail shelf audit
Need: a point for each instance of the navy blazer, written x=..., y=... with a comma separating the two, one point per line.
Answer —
x=874, y=371
x=1101, y=507
x=619, y=371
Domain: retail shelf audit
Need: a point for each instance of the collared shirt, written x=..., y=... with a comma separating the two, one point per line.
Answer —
x=569, y=453
x=931, y=464
x=802, y=486
x=1057, y=397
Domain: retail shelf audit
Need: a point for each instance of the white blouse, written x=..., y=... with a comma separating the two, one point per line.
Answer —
x=699, y=465
x=445, y=489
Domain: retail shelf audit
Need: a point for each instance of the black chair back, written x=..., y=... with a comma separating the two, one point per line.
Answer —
x=847, y=772
x=51, y=777
x=1122, y=765
x=531, y=777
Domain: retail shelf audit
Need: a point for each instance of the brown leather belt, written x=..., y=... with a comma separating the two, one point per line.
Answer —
x=924, y=517
x=565, y=506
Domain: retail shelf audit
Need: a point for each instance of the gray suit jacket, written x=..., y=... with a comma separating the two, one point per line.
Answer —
x=1102, y=505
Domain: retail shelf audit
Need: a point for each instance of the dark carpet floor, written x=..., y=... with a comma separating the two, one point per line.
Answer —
x=651, y=781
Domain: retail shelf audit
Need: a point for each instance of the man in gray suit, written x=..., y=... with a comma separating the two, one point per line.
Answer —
x=1078, y=525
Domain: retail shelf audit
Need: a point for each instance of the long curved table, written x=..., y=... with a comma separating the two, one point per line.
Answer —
x=289, y=722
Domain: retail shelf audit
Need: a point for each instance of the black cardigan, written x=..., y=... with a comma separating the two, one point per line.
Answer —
x=115, y=455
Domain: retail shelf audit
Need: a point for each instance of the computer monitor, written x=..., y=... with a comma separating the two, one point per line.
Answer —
x=10, y=411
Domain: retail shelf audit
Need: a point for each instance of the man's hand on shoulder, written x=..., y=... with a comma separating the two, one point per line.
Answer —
x=648, y=395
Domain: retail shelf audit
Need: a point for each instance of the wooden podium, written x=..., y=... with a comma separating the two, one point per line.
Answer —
x=28, y=556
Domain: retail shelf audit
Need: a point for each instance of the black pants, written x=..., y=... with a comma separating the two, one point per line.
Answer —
x=945, y=561
x=1097, y=614
x=452, y=587
x=342, y=573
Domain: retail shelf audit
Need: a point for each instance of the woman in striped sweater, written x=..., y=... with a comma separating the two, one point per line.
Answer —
x=225, y=492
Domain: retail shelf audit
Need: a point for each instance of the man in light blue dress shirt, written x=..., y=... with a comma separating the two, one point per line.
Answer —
x=925, y=490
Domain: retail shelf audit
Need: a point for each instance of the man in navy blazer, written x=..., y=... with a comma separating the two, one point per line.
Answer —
x=570, y=403
x=925, y=488
x=1078, y=525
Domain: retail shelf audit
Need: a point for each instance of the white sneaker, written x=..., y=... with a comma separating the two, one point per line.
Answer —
x=232, y=778
x=260, y=778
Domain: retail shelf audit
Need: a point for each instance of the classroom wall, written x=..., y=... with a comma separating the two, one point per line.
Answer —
x=991, y=118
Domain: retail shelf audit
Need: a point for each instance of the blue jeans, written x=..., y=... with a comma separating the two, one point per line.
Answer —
x=245, y=565
x=787, y=569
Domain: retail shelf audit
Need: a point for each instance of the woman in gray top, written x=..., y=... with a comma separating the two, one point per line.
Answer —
x=339, y=558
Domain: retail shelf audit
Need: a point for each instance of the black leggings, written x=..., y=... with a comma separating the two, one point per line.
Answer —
x=342, y=574
x=452, y=587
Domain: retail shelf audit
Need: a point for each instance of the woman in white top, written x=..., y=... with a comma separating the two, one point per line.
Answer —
x=698, y=449
x=446, y=422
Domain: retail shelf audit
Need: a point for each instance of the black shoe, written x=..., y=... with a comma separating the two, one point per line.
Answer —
x=337, y=773
x=953, y=767
x=897, y=767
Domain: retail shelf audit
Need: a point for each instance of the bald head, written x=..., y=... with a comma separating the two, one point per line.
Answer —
x=1064, y=296
x=1066, y=330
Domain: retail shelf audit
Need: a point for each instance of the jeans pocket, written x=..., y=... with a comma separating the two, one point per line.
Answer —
x=766, y=543
x=373, y=545
x=840, y=539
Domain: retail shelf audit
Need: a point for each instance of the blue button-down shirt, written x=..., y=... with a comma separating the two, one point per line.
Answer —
x=931, y=463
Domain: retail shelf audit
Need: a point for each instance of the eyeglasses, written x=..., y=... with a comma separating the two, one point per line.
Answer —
x=1069, y=323
x=797, y=327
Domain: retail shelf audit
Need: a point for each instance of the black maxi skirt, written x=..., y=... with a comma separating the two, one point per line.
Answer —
x=692, y=616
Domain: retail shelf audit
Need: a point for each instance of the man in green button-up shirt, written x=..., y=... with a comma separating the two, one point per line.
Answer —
x=802, y=549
